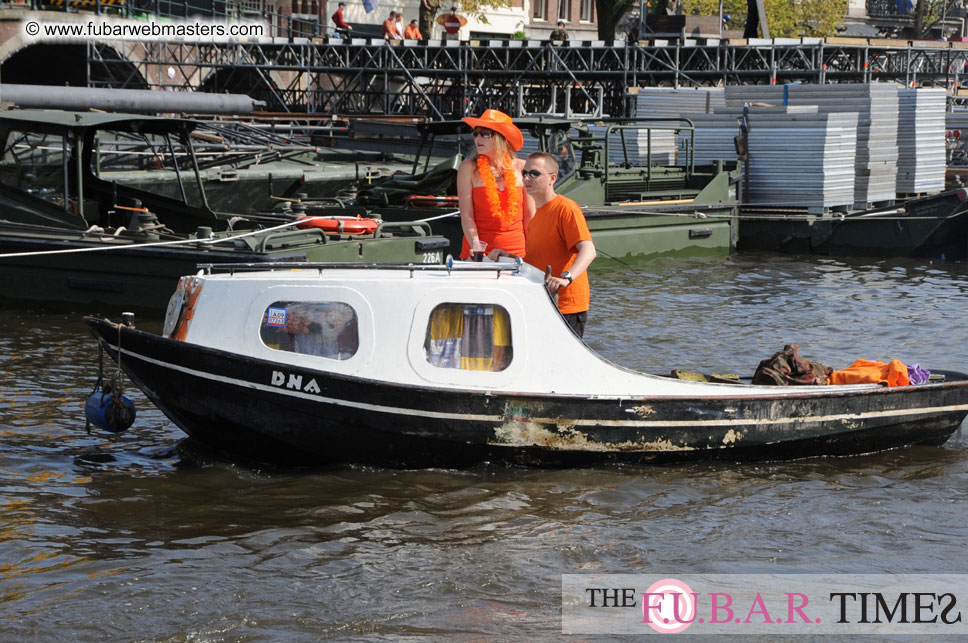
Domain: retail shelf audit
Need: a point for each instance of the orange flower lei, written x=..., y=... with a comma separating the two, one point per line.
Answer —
x=507, y=204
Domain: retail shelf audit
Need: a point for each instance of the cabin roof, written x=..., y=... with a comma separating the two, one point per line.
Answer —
x=292, y=271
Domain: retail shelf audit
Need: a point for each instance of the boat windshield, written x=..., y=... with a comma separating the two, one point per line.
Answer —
x=558, y=144
x=156, y=163
x=38, y=163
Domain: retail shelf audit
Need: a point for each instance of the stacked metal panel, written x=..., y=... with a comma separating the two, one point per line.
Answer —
x=920, y=141
x=800, y=157
x=714, y=138
x=957, y=120
x=667, y=102
x=876, y=104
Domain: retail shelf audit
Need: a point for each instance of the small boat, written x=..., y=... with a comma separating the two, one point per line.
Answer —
x=454, y=364
x=928, y=227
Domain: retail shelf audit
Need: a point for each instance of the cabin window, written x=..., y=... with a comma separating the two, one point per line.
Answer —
x=327, y=328
x=471, y=337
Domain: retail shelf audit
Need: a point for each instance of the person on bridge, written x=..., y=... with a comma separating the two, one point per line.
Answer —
x=413, y=31
x=342, y=27
x=559, y=34
x=494, y=209
x=428, y=9
x=390, y=27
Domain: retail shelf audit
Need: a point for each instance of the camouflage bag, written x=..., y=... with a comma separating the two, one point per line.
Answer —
x=787, y=367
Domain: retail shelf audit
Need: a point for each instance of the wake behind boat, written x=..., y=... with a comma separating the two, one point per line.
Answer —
x=409, y=365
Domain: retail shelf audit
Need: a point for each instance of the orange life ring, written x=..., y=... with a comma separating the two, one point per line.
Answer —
x=431, y=201
x=343, y=225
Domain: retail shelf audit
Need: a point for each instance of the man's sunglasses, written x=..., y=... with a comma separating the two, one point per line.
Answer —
x=532, y=173
x=483, y=133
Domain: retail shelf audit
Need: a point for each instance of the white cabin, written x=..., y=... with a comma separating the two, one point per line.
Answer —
x=478, y=326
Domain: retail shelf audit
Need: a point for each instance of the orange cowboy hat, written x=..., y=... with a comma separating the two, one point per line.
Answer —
x=501, y=123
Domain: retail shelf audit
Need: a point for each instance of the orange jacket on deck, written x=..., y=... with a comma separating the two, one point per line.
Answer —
x=864, y=371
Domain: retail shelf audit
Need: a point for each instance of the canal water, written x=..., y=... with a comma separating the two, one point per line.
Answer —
x=146, y=537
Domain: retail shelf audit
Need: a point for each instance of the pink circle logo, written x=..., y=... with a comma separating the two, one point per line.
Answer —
x=669, y=606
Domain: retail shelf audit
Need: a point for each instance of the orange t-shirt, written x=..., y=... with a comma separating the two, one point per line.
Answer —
x=390, y=29
x=553, y=237
x=412, y=33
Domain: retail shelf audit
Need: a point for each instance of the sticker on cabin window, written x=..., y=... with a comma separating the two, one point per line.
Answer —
x=326, y=329
x=471, y=337
x=276, y=317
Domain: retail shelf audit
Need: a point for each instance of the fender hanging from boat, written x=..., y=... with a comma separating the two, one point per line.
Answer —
x=107, y=407
x=110, y=411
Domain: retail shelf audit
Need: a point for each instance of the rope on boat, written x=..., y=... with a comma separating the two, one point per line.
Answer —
x=136, y=246
x=439, y=216
x=604, y=209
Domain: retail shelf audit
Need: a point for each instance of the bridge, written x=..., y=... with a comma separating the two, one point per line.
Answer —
x=326, y=74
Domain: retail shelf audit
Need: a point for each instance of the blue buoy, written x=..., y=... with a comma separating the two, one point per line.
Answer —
x=108, y=412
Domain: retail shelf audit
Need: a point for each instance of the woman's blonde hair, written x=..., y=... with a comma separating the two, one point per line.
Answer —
x=504, y=149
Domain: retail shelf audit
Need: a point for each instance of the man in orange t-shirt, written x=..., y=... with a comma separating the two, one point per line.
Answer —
x=390, y=27
x=558, y=236
x=413, y=31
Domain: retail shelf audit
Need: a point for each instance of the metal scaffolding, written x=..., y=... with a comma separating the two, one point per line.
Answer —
x=451, y=79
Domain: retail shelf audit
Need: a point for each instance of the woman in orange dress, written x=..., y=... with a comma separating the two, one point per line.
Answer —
x=494, y=208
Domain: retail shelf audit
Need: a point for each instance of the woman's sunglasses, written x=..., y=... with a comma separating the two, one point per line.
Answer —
x=483, y=133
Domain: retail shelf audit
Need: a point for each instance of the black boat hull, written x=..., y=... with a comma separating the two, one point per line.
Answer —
x=934, y=227
x=274, y=413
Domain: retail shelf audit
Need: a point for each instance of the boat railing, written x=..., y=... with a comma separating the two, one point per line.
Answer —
x=416, y=228
x=307, y=237
x=684, y=124
x=449, y=266
x=312, y=236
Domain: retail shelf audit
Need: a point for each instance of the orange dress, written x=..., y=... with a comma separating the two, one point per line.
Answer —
x=492, y=231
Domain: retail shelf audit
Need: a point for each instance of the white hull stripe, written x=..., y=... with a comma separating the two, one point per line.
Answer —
x=381, y=408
